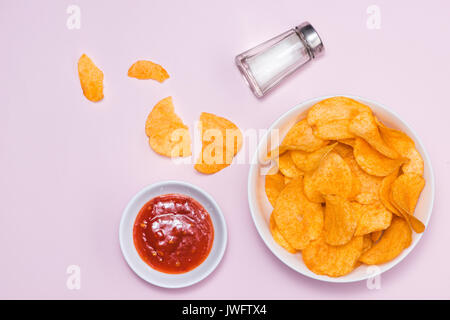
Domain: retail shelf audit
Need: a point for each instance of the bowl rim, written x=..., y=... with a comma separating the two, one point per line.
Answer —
x=221, y=246
x=254, y=165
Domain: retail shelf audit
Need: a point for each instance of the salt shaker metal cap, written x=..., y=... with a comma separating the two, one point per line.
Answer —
x=267, y=64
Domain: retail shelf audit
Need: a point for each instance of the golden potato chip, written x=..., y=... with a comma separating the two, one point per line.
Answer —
x=364, y=126
x=346, y=153
x=367, y=242
x=287, y=180
x=349, y=142
x=385, y=191
x=287, y=166
x=277, y=236
x=396, y=238
x=376, y=235
x=373, y=217
x=340, y=220
x=405, y=146
x=334, y=130
x=333, y=176
x=91, y=79
x=167, y=133
x=406, y=190
x=368, y=184
x=333, y=109
x=298, y=219
x=309, y=161
x=373, y=162
x=221, y=141
x=414, y=223
x=344, y=150
x=274, y=185
x=302, y=137
x=334, y=261
x=144, y=69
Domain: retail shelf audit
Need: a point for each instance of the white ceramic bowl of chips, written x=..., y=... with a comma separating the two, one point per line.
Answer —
x=261, y=208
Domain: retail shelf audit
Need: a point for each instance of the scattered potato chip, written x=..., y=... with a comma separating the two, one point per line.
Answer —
x=221, y=141
x=373, y=217
x=364, y=126
x=274, y=185
x=376, y=235
x=333, y=176
x=334, y=261
x=396, y=238
x=298, y=219
x=167, y=133
x=144, y=69
x=301, y=136
x=278, y=237
x=309, y=161
x=335, y=130
x=340, y=220
x=333, y=109
x=287, y=166
x=91, y=79
x=373, y=162
x=406, y=190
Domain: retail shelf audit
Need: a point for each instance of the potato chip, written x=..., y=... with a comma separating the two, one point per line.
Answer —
x=364, y=126
x=91, y=79
x=346, y=153
x=373, y=217
x=414, y=223
x=376, y=235
x=298, y=219
x=367, y=242
x=309, y=161
x=396, y=238
x=406, y=190
x=301, y=136
x=287, y=166
x=373, y=162
x=336, y=108
x=335, y=130
x=287, y=180
x=334, y=261
x=405, y=146
x=333, y=176
x=350, y=142
x=278, y=237
x=167, y=133
x=340, y=220
x=274, y=185
x=221, y=141
x=344, y=150
x=385, y=190
x=144, y=69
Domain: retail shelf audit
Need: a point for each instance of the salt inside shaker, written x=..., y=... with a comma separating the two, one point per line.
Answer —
x=265, y=65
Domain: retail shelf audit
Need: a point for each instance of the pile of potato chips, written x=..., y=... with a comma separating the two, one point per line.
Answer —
x=345, y=190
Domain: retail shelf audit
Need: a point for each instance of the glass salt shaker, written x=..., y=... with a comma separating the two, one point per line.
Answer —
x=265, y=65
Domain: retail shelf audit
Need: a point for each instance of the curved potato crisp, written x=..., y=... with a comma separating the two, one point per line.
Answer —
x=301, y=136
x=336, y=108
x=333, y=176
x=287, y=166
x=91, y=79
x=167, y=133
x=298, y=219
x=221, y=141
x=367, y=242
x=364, y=126
x=396, y=238
x=385, y=190
x=334, y=130
x=406, y=190
x=373, y=162
x=309, y=161
x=144, y=69
x=334, y=261
x=340, y=220
x=373, y=217
x=376, y=235
x=278, y=237
x=274, y=185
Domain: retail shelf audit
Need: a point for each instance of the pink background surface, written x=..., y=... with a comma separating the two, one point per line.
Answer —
x=70, y=166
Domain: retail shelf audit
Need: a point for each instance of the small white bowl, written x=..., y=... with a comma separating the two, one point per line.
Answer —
x=261, y=209
x=151, y=275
